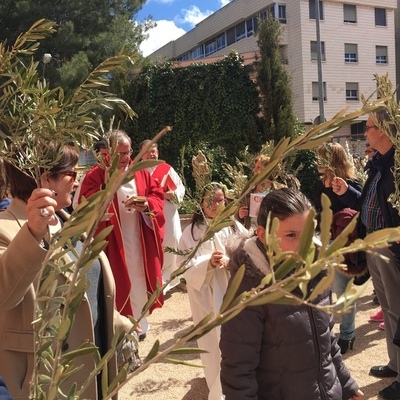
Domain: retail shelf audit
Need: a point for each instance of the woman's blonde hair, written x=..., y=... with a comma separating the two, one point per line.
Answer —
x=337, y=161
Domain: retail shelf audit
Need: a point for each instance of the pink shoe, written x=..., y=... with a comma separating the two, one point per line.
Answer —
x=377, y=317
x=381, y=326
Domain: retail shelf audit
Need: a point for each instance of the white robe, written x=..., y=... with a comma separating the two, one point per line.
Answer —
x=172, y=229
x=206, y=288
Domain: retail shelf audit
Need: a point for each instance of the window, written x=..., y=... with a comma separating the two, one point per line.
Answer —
x=358, y=128
x=315, y=90
x=263, y=14
x=183, y=57
x=250, y=27
x=214, y=45
x=351, y=91
x=255, y=22
x=240, y=31
x=221, y=42
x=350, y=53
x=198, y=52
x=381, y=54
x=312, y=9
x=282, y=13
x=314, y=51
x=230, y=36
x=283, y=51
x=349, y=13
x=210, y=47
x=380, y=16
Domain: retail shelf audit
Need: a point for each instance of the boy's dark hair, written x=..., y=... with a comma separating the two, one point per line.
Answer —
x=100, y=144
x=282, y=203
x=145, y=143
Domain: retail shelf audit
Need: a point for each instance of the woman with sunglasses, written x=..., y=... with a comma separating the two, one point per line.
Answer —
x=25, y=230
x=207, y=277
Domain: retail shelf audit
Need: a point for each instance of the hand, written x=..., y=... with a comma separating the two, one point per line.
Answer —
x=217, y=260
x=168, y=195
x=357, y=395
x=339, y=186
x=40, y=210
x=243, y=212
x=140, y=207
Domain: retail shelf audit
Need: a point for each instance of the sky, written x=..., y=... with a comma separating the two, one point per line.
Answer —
x=174, y=18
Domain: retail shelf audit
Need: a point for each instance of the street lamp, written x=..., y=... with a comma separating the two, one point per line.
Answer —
x=46, y=59
x=319, y=63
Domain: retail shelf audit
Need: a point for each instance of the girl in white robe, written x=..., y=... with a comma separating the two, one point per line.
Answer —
x=207, y=279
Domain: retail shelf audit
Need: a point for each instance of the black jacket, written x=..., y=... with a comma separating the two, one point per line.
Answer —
x=354, y=199
x=276, y=351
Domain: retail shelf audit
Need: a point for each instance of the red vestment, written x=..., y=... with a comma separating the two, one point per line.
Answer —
x=159, y=173
x=151, y=239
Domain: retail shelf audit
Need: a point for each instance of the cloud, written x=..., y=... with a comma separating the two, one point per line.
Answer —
x=222, y=2
x=193, y=15
x=163, y=33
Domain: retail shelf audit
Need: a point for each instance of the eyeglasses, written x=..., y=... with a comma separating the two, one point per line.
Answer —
x=367, y=128
x=212, y=202
x=72, y=174
x=218, y=201
x=125, y=153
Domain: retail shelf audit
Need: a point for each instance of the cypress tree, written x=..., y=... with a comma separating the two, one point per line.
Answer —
x=274, y=83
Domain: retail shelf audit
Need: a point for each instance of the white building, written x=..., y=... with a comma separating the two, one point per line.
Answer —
x=357, y=40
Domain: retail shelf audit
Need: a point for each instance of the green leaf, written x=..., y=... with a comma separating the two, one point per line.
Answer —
x=322, y=285
x=72, y=355
x=233, y=288
x=153, y=352
x=181, y=362
x=187, y=350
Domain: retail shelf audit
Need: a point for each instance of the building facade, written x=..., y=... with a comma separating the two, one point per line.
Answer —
x=357, y=40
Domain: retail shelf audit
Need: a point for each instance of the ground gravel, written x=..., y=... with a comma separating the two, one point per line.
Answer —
x=165, y=381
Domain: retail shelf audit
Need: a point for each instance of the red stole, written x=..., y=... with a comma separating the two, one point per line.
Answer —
x=160, y=171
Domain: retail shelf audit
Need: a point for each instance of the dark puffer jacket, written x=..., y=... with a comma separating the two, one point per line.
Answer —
x=355, y=199
x=279, y=352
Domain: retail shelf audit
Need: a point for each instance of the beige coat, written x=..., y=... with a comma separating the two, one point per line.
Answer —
x=21, y=259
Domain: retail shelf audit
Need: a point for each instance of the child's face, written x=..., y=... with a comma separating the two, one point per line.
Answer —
x=211, y=203
x=257, y=167
x=289, y=231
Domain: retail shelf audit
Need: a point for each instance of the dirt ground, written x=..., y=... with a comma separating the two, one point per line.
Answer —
x=164, y=381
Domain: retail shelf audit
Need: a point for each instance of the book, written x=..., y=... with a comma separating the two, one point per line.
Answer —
x=255, y=202
x=136, y=200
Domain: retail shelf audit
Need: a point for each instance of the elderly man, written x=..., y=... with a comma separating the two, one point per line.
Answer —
x=135, y=244
x=376, y=212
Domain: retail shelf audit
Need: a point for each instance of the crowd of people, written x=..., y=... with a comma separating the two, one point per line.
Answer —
x=269, y=351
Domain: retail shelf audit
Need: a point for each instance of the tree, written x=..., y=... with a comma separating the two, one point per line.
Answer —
x=89, y=31
x=274, y=83
x=211, y=107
